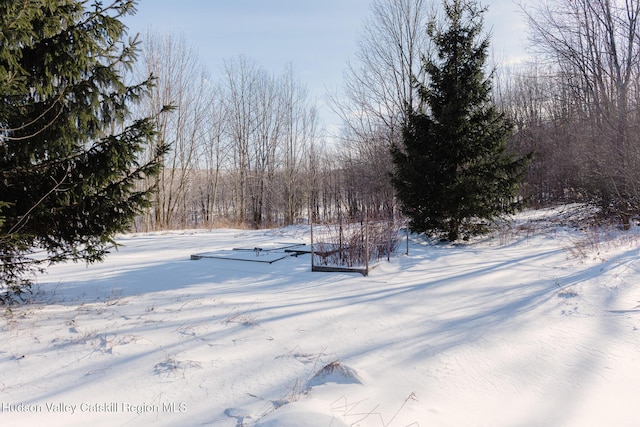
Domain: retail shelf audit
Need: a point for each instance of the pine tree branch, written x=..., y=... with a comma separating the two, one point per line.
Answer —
x=22, y=138
x=19, y=14
x=24, y=218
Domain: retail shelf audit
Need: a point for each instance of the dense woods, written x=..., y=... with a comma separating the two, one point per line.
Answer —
x=579, y=109
x=249, y=148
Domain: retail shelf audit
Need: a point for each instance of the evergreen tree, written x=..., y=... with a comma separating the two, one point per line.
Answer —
x=453, y=172
x=70, y=153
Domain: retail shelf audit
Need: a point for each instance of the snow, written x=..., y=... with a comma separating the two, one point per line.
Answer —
x=533, y=326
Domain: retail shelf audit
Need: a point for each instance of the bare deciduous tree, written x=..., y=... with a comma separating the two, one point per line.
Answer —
x=378, y=87
x=214, y=153
x=240, y=91
x=300, y=119
x=380, y=83
x=181, y=81
x=595, y=47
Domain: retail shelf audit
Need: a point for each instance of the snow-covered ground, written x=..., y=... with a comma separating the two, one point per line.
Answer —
x=537, y=326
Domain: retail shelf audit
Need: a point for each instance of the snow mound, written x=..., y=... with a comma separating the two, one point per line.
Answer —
x=334, y=372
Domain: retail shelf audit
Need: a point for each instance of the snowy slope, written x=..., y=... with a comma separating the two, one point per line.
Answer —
x=536, y=326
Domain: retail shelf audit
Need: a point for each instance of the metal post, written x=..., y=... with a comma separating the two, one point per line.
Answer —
x=312, y=255
x=390, y=228
x=366, y=245
x=407, y=226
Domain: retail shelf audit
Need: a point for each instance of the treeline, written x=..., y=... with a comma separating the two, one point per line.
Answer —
x=243, y=146
x=578, y=110
x=248, y=148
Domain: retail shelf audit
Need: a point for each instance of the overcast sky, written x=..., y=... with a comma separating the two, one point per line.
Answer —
x=317, y=37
